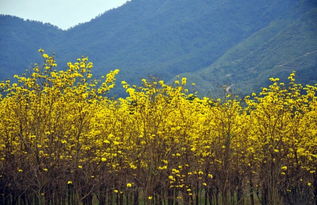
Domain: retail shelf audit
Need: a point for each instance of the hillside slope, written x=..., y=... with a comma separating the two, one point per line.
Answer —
x=285, y=45
x=213, y=42
x=164, y=38
x=19, y=41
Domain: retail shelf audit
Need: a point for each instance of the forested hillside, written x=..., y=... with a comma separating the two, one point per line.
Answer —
x=19, y=42
x=216, y=43
x=285, y=45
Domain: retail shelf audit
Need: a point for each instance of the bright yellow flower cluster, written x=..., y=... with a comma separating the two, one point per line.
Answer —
x=64, y=136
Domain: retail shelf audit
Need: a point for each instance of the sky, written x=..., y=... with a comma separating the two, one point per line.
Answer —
x=61, y=13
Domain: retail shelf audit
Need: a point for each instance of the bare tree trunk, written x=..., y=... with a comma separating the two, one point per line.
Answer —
x=170, y=197
x=251, y=190
x=136, y=197
x=210, y=195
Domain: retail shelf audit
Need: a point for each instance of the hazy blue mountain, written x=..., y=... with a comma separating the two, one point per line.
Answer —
x=165, y=37
x=213, y=42
x=19, y=41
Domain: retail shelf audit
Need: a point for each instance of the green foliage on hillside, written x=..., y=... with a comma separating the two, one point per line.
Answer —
x=19, y=41
x=276, y=50
x=216, y=43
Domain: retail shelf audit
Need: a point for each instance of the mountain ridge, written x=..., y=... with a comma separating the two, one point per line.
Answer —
x=242, y=63
x=165, y=38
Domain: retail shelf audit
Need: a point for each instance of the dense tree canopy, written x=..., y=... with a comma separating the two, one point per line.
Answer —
x=62, y=141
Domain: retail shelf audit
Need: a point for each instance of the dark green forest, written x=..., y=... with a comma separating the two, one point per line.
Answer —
x=214, y=43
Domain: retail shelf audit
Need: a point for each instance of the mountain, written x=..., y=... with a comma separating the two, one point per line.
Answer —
x=213, y=42
x=19, y=41
x=165, y=38
x=285, y=45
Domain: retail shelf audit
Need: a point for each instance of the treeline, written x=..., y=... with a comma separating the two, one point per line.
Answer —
x=63, y=141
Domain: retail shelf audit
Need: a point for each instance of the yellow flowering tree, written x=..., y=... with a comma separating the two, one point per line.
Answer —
x=63, y=141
